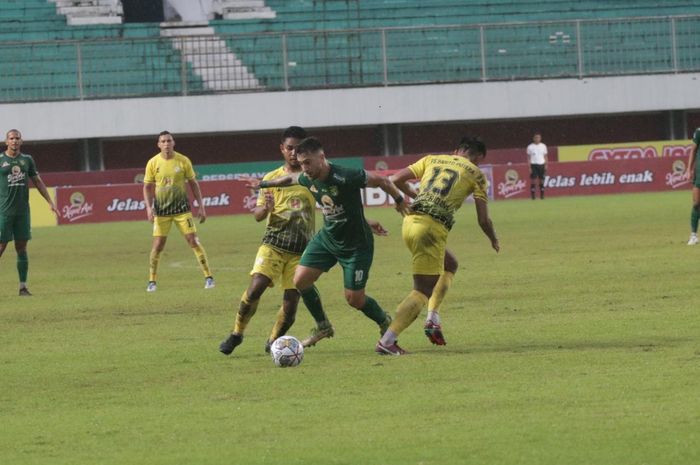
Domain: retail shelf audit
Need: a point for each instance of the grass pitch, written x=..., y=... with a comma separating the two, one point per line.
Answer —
x=577, y=344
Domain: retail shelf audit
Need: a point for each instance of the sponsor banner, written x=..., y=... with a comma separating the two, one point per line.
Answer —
x=39, y=208
x=93, y=178
x=96, y=204
x=232, y=171
x=594, y=177
x=626, y=151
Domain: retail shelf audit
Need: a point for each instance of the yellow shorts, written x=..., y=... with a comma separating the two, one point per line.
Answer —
x=427, y=240
x=184, y=222
x=276, y=265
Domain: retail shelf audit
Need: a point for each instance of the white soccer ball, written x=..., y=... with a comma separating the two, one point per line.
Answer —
x=287, y=351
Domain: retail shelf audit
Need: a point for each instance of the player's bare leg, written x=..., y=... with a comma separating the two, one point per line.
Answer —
x=304, y=279
x=433, y=327
x=246, y=309
x=199, y=252
x=285, y=316
x=406, y=313
x=694, y=217
x=156, y=249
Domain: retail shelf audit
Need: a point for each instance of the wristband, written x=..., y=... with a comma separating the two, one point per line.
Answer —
x=398, y=200
x=264, y=184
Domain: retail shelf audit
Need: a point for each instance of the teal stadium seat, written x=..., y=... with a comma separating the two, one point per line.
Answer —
x=319, y=56
x=41, y=55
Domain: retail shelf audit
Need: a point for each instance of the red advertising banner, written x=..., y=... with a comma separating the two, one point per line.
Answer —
x=594, y=177
x=494, y=157
x=124, y=202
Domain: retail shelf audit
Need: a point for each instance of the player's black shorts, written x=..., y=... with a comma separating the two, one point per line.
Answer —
x=537, y=171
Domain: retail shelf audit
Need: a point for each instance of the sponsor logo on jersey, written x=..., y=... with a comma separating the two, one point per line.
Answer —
x=4, y=165
x=78, y=207
x=16, y=177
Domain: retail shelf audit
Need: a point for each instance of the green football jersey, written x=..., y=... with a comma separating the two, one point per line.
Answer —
x=344, y=226
x=14, y=183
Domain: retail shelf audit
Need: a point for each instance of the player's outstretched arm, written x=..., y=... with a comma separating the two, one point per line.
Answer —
x=197, y=192
x=690, y=173
x=149, y=194
x=41, y=187
x=260, y=212
x=482, y=215
x=377, y=227
x=385, y=184
x=401, y=179
x=283, y=181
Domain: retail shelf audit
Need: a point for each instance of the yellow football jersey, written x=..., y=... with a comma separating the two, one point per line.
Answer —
x=170, y=176
x=291, y=222
x=445, y=181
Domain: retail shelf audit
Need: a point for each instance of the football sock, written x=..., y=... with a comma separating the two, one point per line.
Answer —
x=373, y=311
x=694, y=218
x=153, y=265
x=284, y=321
x=406, y=313
x=202, y=259
x=439, y=292
x=532, y=191
x=312, y=300
x=22, y=266
x=541, y=191
x=246, y=310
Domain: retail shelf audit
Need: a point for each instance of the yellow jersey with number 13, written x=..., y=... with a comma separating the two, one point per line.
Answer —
x=170, y=176
x=445, y=181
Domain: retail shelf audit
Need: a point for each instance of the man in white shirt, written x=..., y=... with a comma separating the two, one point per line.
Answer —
x=537, y=158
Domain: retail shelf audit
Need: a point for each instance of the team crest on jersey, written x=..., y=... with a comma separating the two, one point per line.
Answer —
x=295, y=204
x=313, y=189
x=21, y=162
x=4, y=165
x=177, y=169
x=333, y=190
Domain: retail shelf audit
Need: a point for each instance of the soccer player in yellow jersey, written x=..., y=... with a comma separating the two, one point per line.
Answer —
x=290, y=214
x=445, y=181
x=167, y=202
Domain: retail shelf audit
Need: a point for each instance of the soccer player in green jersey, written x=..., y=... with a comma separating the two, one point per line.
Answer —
x=15, y=219
x=167, y=203
x=346, y=235
x=445, y=181
x=290, y=215
x=693, y=176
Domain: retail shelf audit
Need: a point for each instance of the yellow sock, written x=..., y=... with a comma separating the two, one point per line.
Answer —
x=440, y=290
x=153, y=265
x=408, y=311
x=281, y=326
x=202, y=259
x=246, y=310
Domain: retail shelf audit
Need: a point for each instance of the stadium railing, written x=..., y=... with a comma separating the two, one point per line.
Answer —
x=125, y=67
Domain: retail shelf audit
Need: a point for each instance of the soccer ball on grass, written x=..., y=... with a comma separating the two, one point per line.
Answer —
x=287, y=351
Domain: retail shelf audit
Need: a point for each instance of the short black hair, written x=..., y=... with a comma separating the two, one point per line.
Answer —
x=295, y=132
x=309, y=145
x=473, y=145
x=164, y=133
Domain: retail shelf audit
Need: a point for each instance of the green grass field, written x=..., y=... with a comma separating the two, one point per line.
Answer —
x=578, y=344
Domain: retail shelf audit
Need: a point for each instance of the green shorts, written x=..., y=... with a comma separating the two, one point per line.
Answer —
x=15, y=227
x=355, y=264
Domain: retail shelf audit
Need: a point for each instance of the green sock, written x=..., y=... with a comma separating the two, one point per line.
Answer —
x=312, y=300
x=22, y=266
x=694, y=218
x=373, y=311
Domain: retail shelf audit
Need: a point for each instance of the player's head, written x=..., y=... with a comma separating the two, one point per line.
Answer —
x=166, y=142
x=537, y=138
x=13, y=139
x=311, y=157
x=290, y=139
x=473, y=148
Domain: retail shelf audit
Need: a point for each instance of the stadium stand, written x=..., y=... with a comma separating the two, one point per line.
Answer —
x=42, y=54
x=301, y=44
